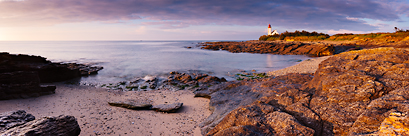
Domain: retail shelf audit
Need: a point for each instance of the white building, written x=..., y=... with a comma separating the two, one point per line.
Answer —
x=271, y=32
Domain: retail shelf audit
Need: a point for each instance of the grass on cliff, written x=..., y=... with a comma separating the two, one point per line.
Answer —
x=397, y=36
x=306, y=36
x=295, y=36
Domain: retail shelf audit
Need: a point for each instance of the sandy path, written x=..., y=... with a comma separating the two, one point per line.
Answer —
x=95, y=117
x=306, y=66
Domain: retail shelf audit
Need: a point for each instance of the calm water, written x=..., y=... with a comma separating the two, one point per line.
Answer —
x=126, y=60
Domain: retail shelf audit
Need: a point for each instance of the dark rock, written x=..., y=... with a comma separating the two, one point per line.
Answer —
x=22, y=84
x=9, y=120
x=47, y=71
x=21, y=75
x=132, y=104
x=50, y=126
x=167, y=107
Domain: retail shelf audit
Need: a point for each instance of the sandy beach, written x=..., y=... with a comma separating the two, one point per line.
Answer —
x=306, y=66
x=95, y=117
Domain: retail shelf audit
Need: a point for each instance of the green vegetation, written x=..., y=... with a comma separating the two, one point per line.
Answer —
x=144, y=87
x=295, y=36
x=240, y=76
x=399, y=35
x=376, y=37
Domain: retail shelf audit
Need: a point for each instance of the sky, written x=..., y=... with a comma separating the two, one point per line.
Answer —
x=111, y=20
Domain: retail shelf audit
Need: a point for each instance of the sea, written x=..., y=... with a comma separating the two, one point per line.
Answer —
x=128, y=60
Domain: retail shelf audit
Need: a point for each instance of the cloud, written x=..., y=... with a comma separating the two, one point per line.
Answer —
x=295, y=14
x=343, y=31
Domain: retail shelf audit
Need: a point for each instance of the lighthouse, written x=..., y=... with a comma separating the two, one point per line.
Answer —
x=273, y=32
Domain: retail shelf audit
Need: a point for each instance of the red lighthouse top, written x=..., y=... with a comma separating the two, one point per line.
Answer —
x=269, y=26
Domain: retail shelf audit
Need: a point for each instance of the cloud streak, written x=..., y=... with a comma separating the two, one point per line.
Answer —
x=295, y=14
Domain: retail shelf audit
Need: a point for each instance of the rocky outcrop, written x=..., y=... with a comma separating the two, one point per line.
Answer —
x=22, y=84
x=274, y=47
x=20, y=123
x=352, y=93
x=352, y=89
x=21, y=75
x=258, y=97
x=395, y=125
x=174, y=81
x=47, y=71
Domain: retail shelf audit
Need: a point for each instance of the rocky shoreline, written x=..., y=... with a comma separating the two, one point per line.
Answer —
x=21, y=75
x=310, y=48
x=362, y=92
x=315, y=49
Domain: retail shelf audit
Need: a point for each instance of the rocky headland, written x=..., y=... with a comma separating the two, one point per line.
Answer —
x=273, y=47
x=310, y=48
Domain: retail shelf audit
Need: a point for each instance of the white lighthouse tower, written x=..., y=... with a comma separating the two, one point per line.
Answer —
x=273, y=32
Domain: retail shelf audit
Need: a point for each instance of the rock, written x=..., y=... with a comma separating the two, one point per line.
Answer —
x=379, y=109
x=9, y=120
x=347, y=85
x=56, y=126
x=274, y=47
x=224, y=98
x=394, y=125
x=85, y=70
x=47, y=71
x=167, y=107
x=22, y=84
x=285, y=124
x=259, y=119
x=132, y=104
x=21, y=75
x=352, y=93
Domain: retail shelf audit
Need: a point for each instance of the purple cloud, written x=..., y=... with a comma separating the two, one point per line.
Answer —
x=295, y=14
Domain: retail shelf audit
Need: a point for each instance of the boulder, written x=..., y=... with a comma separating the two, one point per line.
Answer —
x=9, y=120
x=167, y=107
x=259, y=119
x=132, y=104
x=270, y=94
x=50, y=126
